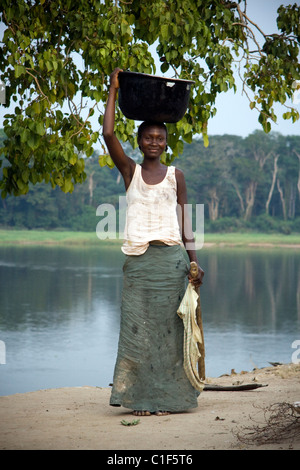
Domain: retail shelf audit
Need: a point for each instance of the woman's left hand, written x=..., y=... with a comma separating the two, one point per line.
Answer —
x=197, y=279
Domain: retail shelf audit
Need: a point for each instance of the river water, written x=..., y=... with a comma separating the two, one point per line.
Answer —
x=60, y=312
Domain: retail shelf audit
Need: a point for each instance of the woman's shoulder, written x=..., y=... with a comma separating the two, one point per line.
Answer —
x=178, y=173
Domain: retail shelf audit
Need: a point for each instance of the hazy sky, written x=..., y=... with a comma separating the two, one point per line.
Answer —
x=234, y=115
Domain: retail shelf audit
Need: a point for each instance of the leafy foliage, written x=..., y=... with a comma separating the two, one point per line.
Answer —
x=57, y=57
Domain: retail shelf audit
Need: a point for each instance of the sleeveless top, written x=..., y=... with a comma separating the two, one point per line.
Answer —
x=151, y=213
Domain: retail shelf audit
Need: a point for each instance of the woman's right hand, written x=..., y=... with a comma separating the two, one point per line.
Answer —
x=114, y=78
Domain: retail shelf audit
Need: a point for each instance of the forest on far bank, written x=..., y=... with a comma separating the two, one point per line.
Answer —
x=250, y=183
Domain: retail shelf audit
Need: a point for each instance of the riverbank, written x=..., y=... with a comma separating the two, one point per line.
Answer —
x=233, y=239
x=81, y=418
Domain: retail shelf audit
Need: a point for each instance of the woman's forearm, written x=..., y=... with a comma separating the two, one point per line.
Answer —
x=109, y=115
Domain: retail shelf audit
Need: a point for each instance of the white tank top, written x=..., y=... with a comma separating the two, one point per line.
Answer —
x=151, y=213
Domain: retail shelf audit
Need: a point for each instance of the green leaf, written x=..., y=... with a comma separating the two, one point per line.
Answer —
x=40, y=129
x=97, y=95
x=19, y=70
x=109, y=162
x=205, y=140
x=67, y=186
x=134, y=422
x=164, y=67
x=36, y=107
x=165, y=31
x=73, y=159
x=25, y=175
x=267, y=126
x=179, y=147
x=33, y=141
x=287, y=115
x=20, y=184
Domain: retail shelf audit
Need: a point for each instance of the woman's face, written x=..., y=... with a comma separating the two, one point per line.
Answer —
x=153, y=141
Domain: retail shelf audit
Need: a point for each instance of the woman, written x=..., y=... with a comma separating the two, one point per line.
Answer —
x=149, y=377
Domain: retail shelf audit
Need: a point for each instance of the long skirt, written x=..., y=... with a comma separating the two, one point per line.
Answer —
x=149, y=372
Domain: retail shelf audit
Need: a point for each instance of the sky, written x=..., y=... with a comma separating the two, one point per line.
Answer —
x=234, y=115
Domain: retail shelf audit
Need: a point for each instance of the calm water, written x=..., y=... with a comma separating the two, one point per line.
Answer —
x=60, y=310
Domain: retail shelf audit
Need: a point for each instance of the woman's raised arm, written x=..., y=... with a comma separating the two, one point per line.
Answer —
x=124, y=164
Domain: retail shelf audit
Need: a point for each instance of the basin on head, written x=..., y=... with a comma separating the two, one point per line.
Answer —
x=144, y=97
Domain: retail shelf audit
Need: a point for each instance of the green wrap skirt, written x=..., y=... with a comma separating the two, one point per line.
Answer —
x=149, y=372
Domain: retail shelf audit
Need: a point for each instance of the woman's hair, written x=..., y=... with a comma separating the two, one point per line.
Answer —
x=147, y=124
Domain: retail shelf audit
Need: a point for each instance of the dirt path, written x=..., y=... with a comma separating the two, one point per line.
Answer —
x=81, y=418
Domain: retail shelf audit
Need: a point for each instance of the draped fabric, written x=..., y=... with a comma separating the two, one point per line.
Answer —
x=149, y=373
x=192, y=337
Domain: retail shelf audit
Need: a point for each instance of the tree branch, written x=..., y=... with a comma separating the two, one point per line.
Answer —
x=78, y=132
x=38, y=85
x=253, y=35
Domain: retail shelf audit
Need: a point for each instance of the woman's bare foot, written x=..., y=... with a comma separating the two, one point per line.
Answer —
x=148, y=413
x=141, y=413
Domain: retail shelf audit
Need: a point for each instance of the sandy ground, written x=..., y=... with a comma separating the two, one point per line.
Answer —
x=81, y=418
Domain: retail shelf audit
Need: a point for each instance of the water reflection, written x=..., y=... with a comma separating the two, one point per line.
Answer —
x=50, y=287
x=60, y=309
x=257, y=289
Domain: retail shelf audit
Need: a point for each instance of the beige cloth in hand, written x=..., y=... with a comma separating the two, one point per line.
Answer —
x=192, y=336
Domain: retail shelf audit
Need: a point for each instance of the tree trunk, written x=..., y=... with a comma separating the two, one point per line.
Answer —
x=91, y=187
x=261, y=158
x=292, y=202
x=239, y=197
x=213, y=204
x=282, y=199
x=250, y=197
x=275, y=170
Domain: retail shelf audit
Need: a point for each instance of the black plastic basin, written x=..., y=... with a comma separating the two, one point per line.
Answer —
x=144, y=97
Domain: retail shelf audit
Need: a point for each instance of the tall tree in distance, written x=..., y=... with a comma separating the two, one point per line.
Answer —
x=57, y=56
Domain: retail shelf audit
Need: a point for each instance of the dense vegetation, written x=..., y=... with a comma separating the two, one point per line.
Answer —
x=56, y=58
x=244, y=183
